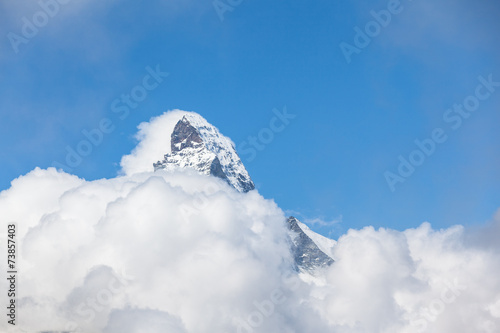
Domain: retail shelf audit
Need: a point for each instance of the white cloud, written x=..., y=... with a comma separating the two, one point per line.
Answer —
x=419, y=280
x=121, y=255
x=96, y=234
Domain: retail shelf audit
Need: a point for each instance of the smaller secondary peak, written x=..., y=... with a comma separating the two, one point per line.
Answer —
x=196, y=144
x=306, y=248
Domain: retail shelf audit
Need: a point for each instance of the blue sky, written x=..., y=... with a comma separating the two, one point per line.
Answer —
x=353, y=119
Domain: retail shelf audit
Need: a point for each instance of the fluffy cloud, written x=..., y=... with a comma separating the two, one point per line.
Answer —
x=143, y=245
x=419, y=280
x=182, y=252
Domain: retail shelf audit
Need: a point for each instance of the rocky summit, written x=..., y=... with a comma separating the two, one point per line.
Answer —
x=198, y=145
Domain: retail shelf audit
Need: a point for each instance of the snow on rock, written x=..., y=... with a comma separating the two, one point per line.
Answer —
x=198, y=145
x=325, y=244
x=307, y=247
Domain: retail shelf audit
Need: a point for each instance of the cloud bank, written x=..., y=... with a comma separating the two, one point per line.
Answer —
x=182, y=252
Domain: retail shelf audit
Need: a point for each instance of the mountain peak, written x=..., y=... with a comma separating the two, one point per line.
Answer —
x=198, y=145
x=308, y=255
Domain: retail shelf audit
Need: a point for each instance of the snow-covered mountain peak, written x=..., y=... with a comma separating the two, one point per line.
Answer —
x=197, y=144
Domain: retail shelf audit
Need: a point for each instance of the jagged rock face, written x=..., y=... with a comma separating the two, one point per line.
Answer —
x=198, y=145
x=183, y=136
x=307, y=255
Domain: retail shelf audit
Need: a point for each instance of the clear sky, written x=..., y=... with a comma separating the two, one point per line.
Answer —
x=360, y=99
